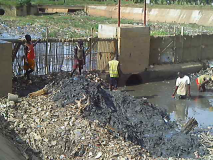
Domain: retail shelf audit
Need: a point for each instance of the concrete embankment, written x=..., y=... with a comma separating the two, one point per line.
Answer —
x=8, y=151
x=164, y=71
x=200, y=17
x=169, y=70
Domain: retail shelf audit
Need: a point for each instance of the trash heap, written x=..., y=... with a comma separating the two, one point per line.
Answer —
x=81, y=119
x=136, y=120
x=207, y=71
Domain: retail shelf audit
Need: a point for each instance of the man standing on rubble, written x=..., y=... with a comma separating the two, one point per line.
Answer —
x=114, y=75
x=29, y=62
x=79, y=57
x=182, y=87
x=201, y=81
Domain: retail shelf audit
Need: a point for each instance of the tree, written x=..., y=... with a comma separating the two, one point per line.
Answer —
x=24, y=2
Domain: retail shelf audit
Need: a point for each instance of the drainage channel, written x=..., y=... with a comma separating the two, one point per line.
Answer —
x=199, y=106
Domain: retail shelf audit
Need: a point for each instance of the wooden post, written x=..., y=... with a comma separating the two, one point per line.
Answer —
x=182, y=45
x=144, y=18
x=46, y=65
x=174, y=30
x=119, y=13
x=182, y=31
x=201, y=47
x=15, y=50
x=90, y=52
x=189, y=126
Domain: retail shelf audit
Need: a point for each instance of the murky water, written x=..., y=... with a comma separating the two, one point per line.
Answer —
x=200, y=106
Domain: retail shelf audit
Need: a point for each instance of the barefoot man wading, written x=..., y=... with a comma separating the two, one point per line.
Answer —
x=182, y=87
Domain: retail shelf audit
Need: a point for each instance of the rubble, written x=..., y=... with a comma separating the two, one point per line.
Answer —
x=81, y=119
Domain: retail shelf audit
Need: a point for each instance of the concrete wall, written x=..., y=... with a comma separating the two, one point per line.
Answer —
x=201, y=17
x=5, y=68
x=59, y=8
x=20, y=11
x=133, y=49
x=180, y=49
x=26, y=10
x=9, y=10
x=165, y=71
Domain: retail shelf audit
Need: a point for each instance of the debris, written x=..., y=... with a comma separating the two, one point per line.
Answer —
x=189, y=126
x=12, y=97
x=98, y=155
x=38, y=93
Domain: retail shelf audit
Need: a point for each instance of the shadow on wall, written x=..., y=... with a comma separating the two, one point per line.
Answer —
x=2, y=12
x=134, y=79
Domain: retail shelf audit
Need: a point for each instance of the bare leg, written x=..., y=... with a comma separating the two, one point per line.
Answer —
x=73, y=71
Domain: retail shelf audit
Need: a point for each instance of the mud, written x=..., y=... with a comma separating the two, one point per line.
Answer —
x=135, y=119
x=160, y=93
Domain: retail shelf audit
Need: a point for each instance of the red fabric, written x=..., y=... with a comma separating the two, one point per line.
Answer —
x=197, y=81
x=78, y=63
x=31, y=52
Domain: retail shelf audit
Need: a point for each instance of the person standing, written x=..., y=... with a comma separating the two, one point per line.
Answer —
x=182, y=87
x=29, y=59
x=114, y=75
x=79, y=57
x=201, y=81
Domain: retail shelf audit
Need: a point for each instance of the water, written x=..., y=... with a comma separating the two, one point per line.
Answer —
x=200, y=106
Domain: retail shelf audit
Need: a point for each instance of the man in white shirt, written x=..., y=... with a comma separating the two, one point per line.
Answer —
x=182, y=87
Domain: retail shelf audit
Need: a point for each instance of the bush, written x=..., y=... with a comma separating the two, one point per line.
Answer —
x=24, y=2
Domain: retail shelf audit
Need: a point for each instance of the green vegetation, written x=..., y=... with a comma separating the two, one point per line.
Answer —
x=79, y=24
x=15, y=2
x=62, y=25
x=159, y=33
x=58, y=2
x=186, y=4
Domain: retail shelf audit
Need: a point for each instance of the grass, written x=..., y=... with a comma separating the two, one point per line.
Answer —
x=159, y=33
x=128, y=3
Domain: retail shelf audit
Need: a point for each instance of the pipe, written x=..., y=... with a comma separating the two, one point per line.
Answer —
x=2, y=12
x=119, y=12
x=144, y=13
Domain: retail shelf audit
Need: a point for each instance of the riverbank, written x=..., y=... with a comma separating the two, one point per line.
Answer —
x=79, y=24
x=126, y=3
x=80, y=119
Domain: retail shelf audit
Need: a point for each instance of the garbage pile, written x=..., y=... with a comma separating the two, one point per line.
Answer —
x=57, y=133
x=136, y=120
x=207, y=71
x=80, y=118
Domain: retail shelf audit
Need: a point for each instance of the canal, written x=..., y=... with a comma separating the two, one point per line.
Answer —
x=159, y=93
